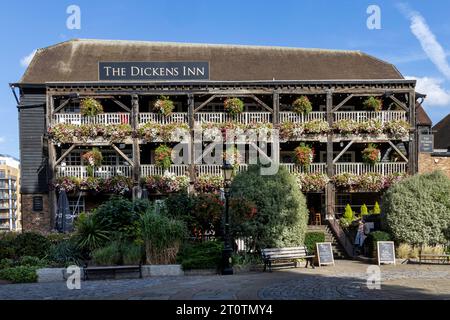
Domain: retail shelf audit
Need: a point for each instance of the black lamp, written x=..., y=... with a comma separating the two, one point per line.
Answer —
x=227, y=269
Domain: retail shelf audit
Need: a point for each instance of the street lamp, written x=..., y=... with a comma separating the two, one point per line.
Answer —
x=227, y=169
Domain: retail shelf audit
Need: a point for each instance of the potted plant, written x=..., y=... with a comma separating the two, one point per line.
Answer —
x=164, y=106
x=234, y=106
x=94, y=159
x=90, y=107
x=163, y=157
x=304, y=155
x=371, y=154
x=373, y=104
x=302, y=105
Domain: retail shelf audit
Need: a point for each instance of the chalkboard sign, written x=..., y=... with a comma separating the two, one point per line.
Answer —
x=324, y=253
x=426, y=143
x=386, y=252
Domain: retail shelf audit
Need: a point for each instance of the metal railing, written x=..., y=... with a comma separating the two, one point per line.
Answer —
x=103, y=118
x=358, y=168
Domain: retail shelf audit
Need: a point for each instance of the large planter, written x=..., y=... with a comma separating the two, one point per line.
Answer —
x=162, y=270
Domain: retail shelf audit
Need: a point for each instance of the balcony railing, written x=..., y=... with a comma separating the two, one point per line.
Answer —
x=313, y=168
x=175, y=117
x=383, y=168
x=360, y=116
x=215, y=169
x=244, y=117
x=176, y=169
x=289, y=116
x=103, y=118
x=99, y=172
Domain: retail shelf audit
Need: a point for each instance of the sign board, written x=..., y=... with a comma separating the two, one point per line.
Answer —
x=386, y=252
x=426, y=143
x=153, y=71
x=324, y=253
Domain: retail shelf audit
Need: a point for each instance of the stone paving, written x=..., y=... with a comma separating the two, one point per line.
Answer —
x=347, y=280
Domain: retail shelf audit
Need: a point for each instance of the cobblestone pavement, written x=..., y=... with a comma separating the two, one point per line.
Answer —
x=346, y=280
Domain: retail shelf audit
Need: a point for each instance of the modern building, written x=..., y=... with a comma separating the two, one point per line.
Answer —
x=126, y=77
x=10, y=213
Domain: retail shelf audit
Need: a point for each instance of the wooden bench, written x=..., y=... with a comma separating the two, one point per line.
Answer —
x=114, y=269
x=270, y=255
x=434, y=258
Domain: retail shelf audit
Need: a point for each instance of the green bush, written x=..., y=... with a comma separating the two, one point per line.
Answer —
x=6, y=263
x=246, y=259
x=376, y=208
x=20, y=274
x=364, y=211
x=417, y=209
x=30, y=261
x=311, y=238
x=107, y=256
x=280, y=215
x=202, y=255
x=162, y=237
x=65, y=253
x=90, y=232
x=348, y=213
x=7, y=249
x=31, y=244
x=131, y=253
x=371, y=241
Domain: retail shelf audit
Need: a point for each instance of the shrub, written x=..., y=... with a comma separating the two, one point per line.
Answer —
x=348, y=213
x=107, y=256
x=403, y=251
x=376, y=208
x=7, y=249
x=32, y=262
x=203, y=255
x=417, y=209
x=65, y=253
x=364, y=211
x=162, y=237
x=6, y=263
x=371, y=241
x=31, y=244
x=311, y=238
x=206, y=213
x=246, y=259
x=281, y=216
x=20, y=274
x=90, y=233
x=131, y=253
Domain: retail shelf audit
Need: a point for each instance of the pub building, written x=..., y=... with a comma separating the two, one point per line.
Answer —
x=361, y=107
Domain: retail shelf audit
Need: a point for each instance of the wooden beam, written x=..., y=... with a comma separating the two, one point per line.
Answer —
x=65, y=154
x=342, y=102
x=120, y=104
x=206, y=151
x=343, y=151
x=398, y=151
x=265, y=106
x=123, y=155
x=399, y=103
x=205, y=103
x=62, y=105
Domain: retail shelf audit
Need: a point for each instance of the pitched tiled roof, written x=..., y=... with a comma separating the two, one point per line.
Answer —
x=442, y=133
x=77, y=60
x=422, y=118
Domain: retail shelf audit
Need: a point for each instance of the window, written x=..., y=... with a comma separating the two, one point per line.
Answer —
x=2, y=174
x=72, y=108
x=342, y=199
x=76, y=206
x=38, y=204
x=74, y=158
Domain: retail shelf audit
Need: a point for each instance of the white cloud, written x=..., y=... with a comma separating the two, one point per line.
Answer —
x=25, y=61
x=427, y=39
x=2, y=139
x=432, y=87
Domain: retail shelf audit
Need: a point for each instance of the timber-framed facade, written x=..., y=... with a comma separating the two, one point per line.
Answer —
x=337, y=103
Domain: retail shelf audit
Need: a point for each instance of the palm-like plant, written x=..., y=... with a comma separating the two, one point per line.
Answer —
x=90, y=233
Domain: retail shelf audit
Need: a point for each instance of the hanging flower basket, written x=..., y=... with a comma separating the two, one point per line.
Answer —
x=163, y=157
x=373, y=104
x=234, y=106
x=371, y=154
x=302, y=105
x=164, y=106
x=304, y=155
x=90, y=107
x=232, y=156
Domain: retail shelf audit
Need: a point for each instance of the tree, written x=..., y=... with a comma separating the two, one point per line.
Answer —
x=277, y=214
x=417, y=209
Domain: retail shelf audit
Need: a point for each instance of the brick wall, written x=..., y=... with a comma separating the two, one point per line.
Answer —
x=429, y=163
x=32, y=220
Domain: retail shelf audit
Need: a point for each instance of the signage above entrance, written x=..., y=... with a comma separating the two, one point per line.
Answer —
x=153, y=71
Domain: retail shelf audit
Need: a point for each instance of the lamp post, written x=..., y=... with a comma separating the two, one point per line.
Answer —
x=227, y=269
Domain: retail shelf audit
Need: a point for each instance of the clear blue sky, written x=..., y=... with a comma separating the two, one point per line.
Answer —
x=414, y=35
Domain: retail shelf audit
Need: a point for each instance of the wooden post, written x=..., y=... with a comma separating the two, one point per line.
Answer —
x=52, y=205
x=276, y=108
x=136, y=148
x=412, y=145
x=191, y=156
x=330, y=193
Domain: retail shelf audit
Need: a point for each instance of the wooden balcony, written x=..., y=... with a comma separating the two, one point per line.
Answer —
x=176, y=169
x=360, y=116
x=383, y=168
x=313, y=168
x=244, y=117
x=103, y=118
x=100, y=172
x=175, y=117
x=289, y=116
